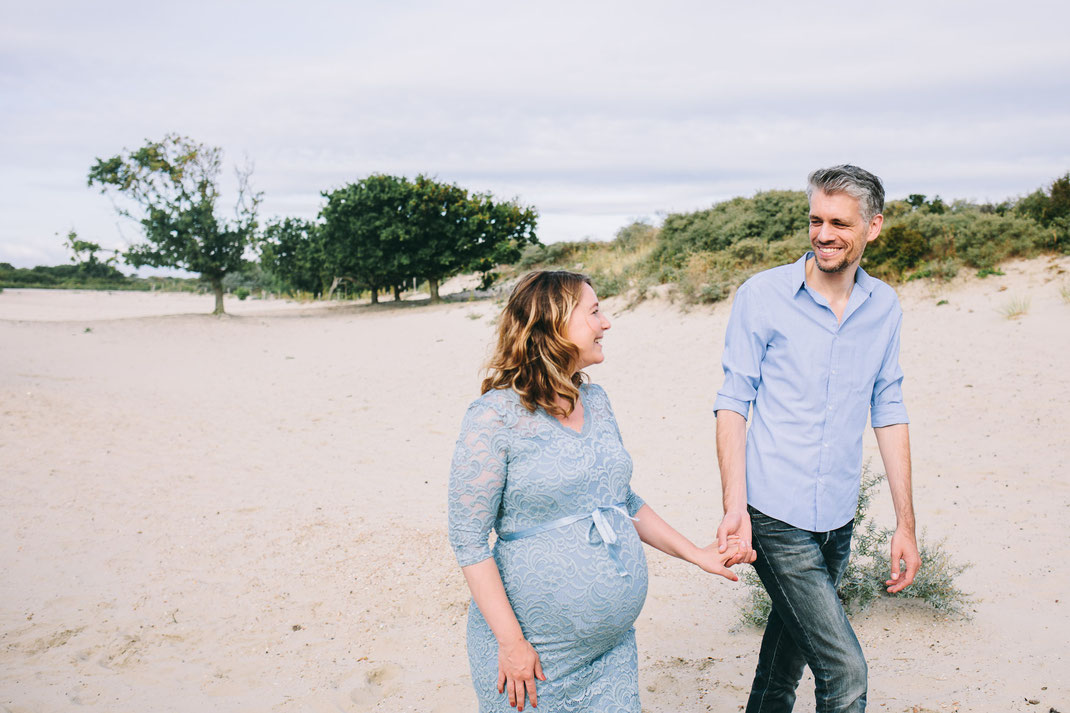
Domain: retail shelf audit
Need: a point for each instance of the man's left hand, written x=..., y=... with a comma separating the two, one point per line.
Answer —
x=905, y=548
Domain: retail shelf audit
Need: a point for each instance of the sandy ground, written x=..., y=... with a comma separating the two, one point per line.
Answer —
x=29, y=305
x=247, y=514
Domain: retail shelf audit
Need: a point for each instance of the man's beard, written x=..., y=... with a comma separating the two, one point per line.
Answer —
x=838, y=267
x=833, y=269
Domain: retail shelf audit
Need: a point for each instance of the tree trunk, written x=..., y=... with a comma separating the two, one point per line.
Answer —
x=375, y=294
x=217, y=288
x=397, y=293
x=432, y=285
x=334, y=286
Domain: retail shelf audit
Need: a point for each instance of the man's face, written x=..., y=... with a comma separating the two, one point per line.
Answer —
x=837, y=232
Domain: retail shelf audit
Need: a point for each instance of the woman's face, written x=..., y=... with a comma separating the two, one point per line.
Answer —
x=585, y=328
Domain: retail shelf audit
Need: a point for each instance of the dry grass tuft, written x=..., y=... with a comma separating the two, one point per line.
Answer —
x=1015, y=308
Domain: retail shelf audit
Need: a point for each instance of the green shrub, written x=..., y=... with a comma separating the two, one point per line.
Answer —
x=242, y=292
x=635, y=236
x=768, y=216
x=977, y=238
x=897, y=250
x=545, y=256
x=942, y=269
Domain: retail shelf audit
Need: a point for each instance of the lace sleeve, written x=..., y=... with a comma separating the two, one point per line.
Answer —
x=477, y=478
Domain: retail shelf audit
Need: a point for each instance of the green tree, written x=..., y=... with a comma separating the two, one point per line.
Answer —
x=384, y=230
x=498, y=233
x=173, y=186
x=363, y=227
x=452, y=231
x=292, y=249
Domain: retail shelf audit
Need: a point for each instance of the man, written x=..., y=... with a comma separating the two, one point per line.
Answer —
x=814, y=347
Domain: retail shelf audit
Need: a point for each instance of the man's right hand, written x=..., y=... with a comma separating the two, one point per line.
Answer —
x=736, y=522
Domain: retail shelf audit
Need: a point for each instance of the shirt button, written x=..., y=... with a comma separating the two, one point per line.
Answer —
x=833, y=371
x=825, y=445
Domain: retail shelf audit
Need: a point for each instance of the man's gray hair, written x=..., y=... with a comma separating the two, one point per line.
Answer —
x=856, y=182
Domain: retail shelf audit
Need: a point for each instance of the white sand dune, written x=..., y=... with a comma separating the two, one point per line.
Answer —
x=247, y=514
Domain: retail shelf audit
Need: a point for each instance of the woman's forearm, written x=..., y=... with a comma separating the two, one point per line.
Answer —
x=485, y=583
x=662, y=536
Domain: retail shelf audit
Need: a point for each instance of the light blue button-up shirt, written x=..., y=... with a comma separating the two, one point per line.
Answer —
x=812, y=382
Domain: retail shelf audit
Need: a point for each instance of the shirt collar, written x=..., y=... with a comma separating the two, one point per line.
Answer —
x=798, y=276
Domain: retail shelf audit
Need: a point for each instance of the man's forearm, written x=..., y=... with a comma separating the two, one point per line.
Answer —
x=894, y=444
x=732, y=459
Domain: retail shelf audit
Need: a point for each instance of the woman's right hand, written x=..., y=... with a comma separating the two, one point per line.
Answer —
x=518, y=667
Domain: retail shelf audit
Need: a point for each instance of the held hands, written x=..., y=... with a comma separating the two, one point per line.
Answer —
x=904, y=547
x=714, y=561
x=518, y=667
x=736, y=523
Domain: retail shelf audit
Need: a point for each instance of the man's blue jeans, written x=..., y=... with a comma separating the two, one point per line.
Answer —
x=808, y=626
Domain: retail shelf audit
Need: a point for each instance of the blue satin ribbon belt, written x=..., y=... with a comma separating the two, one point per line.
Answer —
x=599, y=525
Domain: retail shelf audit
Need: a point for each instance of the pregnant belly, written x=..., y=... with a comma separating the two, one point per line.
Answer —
x=564, y=589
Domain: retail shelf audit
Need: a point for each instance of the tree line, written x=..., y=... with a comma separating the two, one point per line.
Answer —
x=382, y=233
x=378, y=233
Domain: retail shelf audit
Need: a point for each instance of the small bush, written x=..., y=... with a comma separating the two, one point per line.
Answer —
x=863, y=580
x=242, y=292
x=1064, y=292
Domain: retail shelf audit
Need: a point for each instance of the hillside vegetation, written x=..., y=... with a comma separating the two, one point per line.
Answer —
x=707, y=253
x=703, y=254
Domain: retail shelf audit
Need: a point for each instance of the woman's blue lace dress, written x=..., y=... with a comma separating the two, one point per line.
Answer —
x=514, y=470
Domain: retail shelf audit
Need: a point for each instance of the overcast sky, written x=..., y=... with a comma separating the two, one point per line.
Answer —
x=596, y=113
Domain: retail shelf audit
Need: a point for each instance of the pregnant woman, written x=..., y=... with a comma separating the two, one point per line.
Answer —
x=540, y=461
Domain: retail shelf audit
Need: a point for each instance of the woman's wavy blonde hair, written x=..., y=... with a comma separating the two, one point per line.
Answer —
x=533, y=357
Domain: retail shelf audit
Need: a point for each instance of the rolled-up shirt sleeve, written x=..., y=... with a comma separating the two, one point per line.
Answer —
x=744, y=349
x=477, y=479
x=886, y=404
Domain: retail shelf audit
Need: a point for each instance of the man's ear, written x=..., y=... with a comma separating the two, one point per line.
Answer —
x=875, y=227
